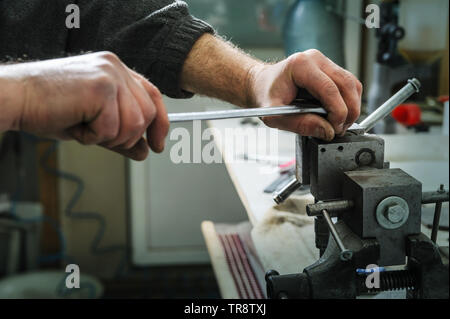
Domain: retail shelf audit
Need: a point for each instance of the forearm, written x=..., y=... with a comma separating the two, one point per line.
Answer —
x=11, y=98
x=217, y=69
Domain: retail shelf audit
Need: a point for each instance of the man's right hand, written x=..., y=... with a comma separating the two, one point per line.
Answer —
x=92, y=98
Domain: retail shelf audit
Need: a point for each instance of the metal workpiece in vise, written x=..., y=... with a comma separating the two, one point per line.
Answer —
x=378, y=212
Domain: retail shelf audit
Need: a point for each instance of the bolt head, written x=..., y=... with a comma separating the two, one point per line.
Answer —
x=395, y=214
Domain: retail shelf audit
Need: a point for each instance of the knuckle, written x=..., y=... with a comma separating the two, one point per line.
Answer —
x=341, y=113
x=109, y=56
x=349, y=79
x=138, y=125
x=300, y=58
x=103, y=85
x=150, y=114
x=111, y=134
x=314, y=53
x=328, y=88
x=359, y=86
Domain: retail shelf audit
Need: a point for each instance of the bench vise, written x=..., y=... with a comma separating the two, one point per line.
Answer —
x=378, y=212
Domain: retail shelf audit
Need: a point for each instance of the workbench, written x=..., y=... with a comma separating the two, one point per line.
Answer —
x=423, y=156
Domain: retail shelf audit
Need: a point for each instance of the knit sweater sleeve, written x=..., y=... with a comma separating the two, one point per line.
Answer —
x=153, y=37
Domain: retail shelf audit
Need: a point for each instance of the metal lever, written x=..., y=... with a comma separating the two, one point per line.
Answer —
x=401, y=96
x=255, y=112
x=303, y=103
x=345, y=253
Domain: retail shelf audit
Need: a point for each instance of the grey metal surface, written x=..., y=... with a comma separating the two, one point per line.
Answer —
x=241, y=113
x=401, y=96
x=367, y=189
x=328, y=160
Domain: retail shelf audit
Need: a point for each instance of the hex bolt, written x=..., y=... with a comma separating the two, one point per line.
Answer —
x=392, y=212
x=395, y=214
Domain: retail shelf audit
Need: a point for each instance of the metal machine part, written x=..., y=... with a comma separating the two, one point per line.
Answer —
x=425, y=276
x=373, y=192
x=379, y=218
x=287, y=190
x=321, y=163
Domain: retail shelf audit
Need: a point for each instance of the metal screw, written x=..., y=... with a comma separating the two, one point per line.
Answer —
x=395, y=213
x=365, y=157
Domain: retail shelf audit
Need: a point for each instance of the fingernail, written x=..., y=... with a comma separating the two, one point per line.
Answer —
x=320, y=133
x=161, y=146
x=330, y=134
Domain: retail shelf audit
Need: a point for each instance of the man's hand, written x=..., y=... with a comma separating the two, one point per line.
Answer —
x=217, y=69
x=93, y=98
x=338, y=90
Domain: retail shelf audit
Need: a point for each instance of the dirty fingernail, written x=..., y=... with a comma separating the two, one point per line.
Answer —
x=320, y=133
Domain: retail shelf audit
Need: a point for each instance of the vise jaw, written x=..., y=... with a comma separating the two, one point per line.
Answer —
x=387, y=206
x=386, y=203
x=321, y=164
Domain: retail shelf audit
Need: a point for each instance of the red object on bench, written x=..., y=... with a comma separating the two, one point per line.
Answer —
x=407, y=114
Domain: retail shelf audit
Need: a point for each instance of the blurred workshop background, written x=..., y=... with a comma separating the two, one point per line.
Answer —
x=134, y=228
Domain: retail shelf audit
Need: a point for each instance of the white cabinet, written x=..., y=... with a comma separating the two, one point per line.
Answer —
x=169, y=201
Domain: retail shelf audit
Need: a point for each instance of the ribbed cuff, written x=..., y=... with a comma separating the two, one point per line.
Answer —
x=174, y=52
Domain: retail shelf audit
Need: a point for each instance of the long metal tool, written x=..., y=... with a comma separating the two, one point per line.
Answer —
x=255, y=112
x=398, y=98
x=401, y=96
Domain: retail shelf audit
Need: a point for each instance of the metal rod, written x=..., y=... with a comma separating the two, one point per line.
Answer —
x=434, y=197
x=437, y=217
x=401, y=96
x=332, y=207
x=254, y=112
x=437, y=214
x=287, y=190
x=345, y=253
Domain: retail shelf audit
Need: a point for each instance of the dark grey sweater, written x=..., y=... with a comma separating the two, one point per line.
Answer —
x=151, y=36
